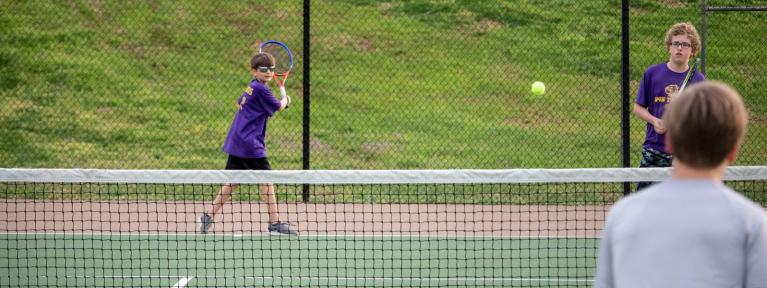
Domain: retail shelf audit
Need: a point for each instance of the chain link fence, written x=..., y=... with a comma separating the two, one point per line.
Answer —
x=392, y=84
x=730, y=56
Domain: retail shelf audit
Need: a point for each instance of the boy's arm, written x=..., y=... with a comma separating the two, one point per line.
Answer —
x=267, y=101
x=645, y=115
x=643, y=100
x=756, y=256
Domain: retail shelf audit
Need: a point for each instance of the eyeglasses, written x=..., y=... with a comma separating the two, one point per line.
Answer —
x=683, y=45
x=264, y=69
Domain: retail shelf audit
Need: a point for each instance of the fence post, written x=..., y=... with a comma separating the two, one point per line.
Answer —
x=625, y=90
x=306, y=94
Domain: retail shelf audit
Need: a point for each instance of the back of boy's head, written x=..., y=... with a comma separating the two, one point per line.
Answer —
x=705, y=123
x=687, y=29
x=262, y=60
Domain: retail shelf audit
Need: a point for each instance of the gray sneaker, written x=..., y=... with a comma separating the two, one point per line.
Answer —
x=205, y=222
x=281, y=228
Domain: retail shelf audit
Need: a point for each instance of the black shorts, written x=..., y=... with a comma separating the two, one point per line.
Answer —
x=237, y=163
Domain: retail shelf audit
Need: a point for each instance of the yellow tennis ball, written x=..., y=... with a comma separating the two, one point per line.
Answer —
x=538, y=88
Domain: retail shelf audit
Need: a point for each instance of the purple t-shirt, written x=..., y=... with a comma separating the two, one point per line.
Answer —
x=659, y=85
x=248, y=130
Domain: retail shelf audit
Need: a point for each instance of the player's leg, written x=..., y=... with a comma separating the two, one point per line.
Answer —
x=205, y=221
x=267, y=191
x=223, y=196
x=275, y=227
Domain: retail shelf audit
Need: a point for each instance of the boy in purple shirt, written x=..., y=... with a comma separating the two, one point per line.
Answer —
x=660, y=84
x=245, y=142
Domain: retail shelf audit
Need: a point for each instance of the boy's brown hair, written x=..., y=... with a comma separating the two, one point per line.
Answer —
x=262, y=60
x=705, y=123
x=685, y=28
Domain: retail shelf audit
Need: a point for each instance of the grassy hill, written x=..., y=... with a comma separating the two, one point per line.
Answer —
x=394, y=84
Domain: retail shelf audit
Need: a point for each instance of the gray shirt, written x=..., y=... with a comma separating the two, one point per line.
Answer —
x=684, y=233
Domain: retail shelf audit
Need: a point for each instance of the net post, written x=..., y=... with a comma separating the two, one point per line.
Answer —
x=625, y=90
x=306, y=93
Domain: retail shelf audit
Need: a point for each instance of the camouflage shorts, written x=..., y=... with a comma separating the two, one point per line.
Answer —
x=653, y=158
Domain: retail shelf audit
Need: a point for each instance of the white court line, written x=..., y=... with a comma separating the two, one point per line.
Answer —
x=182, y=282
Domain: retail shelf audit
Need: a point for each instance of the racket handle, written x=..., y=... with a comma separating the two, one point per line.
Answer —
x=283, y=93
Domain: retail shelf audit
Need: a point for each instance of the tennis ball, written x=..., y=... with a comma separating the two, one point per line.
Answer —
x=538, y=88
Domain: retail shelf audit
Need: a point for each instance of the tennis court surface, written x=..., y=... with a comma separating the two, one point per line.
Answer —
x=456, y=228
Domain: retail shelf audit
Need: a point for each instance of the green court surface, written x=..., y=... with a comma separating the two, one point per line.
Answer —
x=180, y=260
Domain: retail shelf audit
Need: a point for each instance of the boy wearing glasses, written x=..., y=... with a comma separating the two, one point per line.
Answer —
x=659, y=86
x=245, y=142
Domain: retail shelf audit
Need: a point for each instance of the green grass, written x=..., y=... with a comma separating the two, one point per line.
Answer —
x=394, y=84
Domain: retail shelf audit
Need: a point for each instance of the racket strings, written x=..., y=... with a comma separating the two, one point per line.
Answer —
x=282, y=59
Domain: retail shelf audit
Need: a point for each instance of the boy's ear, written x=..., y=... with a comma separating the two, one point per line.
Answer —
x=733, y=155
x=669, y=147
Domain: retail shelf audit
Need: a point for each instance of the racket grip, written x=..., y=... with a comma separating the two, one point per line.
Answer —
x=283, y=93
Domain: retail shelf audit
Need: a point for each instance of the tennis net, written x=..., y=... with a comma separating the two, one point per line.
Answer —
x=415, y=228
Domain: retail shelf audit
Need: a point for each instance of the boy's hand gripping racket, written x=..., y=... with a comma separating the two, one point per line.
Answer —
x=690, y=73
x=283, y=63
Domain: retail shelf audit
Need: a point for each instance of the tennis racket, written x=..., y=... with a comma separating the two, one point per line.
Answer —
x=283, y=62
x=690, y=72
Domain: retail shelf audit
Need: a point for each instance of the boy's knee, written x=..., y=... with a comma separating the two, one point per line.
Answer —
x=267, y=189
